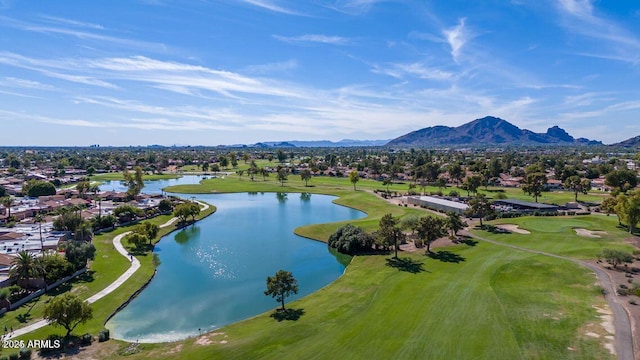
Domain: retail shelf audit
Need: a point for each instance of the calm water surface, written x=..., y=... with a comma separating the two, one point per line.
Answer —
x=213, y=274
x=153, y=186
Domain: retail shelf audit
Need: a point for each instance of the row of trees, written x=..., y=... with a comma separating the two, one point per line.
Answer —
x=350, y=239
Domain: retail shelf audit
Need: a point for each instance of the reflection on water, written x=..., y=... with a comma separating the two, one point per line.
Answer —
x=214, y=273
x=183, y=236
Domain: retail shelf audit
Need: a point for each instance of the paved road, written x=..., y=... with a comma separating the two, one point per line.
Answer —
x=621, y=321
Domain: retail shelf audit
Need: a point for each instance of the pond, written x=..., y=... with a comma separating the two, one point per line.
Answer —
x=214, y=273
x=153, y=186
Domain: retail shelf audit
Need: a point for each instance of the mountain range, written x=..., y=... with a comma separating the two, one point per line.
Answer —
x=321, y=143
x=486, y=131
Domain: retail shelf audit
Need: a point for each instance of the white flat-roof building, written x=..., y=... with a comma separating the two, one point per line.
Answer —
x=438, y=204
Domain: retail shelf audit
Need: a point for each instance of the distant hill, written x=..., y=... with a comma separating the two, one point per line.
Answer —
x=321, y=143
x=486, y=131
x=634, y=142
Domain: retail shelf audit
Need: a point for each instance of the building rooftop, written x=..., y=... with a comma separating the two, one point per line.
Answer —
x=523, y=203
x=435, y=200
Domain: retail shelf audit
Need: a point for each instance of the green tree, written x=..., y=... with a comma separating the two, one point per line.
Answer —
x=165, y=205
x=79, y=253
x=472, y=183
x=455, y=223
x=281, y=156
x=35, y=188
x=479, y=206
x=389, y=233
x=184, y=210
x=68, y=311
x=7, y=202
x=137, y=239
x=354, y=178
x=55, y=267
x=83, y=187
x=577, y=185
x=431, y=228
x=535, y=184
x=608, y=206
x=387, y=182
x=628, y=209
x=305, y=175
x=253, y=170
x=224, y=161
x=126, y=213
x=147, y=229
x=623, y=180
x=134, y=182
x=280, y=286
x=3, y=191
x=616, y=257
x=282, y=176
x=455, y=173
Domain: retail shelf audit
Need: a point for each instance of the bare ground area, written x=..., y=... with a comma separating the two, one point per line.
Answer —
x=589, y=233
x=627, y=275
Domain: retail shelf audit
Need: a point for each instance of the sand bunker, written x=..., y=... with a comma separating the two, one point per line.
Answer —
x=589, y=233
x=513, y=228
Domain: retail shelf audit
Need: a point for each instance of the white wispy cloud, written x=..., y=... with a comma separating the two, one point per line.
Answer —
x=83, y=34
x=457, y=37
x=272, y=6
x=52, y=68
x=580, y=17
x=413, y=69
x=272, y=67
x=353, y=7
x=313, y=38
x=24, y=84
x=75, y=23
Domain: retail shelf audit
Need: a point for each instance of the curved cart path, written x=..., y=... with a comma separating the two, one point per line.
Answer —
x=621, y=322
x=135, y=265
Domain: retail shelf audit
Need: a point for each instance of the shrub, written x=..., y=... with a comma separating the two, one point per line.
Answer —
x=501, y=196
x=453, y=193
x=103, y=335
x=418, y=243
x=350, y=239
x=52, y=340
x=14, y=357
x=24, y=354
x=86, y=339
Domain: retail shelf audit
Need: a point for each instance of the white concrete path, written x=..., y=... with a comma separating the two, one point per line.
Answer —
x=135, y=265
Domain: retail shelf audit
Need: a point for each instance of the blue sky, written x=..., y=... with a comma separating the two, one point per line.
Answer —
x=242, y=71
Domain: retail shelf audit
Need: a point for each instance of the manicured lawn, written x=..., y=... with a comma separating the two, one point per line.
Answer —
x=324, y=184
x=495, y=303
x=557, y=235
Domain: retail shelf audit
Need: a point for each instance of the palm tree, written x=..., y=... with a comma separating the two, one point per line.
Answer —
x=7, y=201
x=25, y=266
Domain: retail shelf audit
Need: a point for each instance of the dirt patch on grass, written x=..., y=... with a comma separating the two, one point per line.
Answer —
x=589, y=233
x=513, y=228
x=410, y=246
x=625, y=275
x=214, y=337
